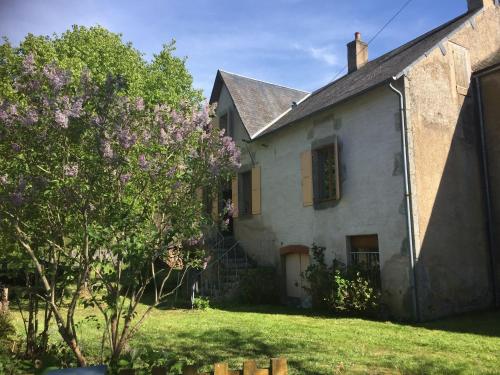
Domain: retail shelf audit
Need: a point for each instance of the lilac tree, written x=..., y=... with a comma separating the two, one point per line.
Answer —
x=100, y=192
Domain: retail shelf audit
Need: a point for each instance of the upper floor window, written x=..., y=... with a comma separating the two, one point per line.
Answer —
x=226, y=123
x=326, y=181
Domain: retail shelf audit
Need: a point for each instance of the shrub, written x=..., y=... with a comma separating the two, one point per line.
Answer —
x=201, y=303
x=338, y=287
x=7, y=332
x=259, y=286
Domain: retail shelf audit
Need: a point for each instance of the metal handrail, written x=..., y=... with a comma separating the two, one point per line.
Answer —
x=219, y=258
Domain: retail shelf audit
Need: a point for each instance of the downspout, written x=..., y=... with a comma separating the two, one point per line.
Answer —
x=487, y=192
x=409, y=210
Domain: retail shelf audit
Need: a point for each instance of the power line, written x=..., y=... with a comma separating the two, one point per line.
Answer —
x=378, y=32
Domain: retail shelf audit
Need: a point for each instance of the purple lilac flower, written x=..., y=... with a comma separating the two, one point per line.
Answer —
x=29, y=64
x=12, y=109
x=21, y=185
x=143, y=163
x=126, y=137
x=3, y=114
x=139, y=104
x=70, y=170
x=61, y=119
x=76, y=108
x=146, y=136
x=58, y=78
x=31, y=117
x=15, y=147
x=106, y=149
x=171, y=171
x=163, y=136
x=17, y=198
x=124, y=178
x=176, y=186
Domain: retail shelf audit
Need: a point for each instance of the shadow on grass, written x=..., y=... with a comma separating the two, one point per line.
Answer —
x=485, y=323
x=227, y=345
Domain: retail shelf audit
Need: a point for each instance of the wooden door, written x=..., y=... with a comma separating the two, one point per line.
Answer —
x=295, y=266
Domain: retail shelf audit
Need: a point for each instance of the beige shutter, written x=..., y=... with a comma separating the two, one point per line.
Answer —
x=215, y=206
x=256, y=190
x=215, y=122
x=234, y=195
x=337, y=171
x=307, y=181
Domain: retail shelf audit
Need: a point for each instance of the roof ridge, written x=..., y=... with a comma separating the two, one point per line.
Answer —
x=262, y=81
x=400, y=49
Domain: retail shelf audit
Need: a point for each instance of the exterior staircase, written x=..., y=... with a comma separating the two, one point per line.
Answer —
x=222, y=275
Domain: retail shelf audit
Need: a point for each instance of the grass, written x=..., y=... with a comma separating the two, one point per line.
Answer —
x=468, y=344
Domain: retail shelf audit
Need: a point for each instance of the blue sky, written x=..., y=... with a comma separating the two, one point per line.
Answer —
x=296, y=43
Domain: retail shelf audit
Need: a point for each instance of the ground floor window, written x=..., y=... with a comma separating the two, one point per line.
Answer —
x=364, y=254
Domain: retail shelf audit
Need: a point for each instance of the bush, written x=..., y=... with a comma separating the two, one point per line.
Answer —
x=259, y=286
x=201, y=303
x=7, y=332
x=340, y=288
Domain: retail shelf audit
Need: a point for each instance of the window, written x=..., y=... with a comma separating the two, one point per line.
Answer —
x=226, y=123
x=245, y=193
x=364, y=254
x=223, y=123
x=326, y=182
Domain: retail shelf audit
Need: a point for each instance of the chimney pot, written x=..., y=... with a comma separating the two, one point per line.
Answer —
x=357, y=53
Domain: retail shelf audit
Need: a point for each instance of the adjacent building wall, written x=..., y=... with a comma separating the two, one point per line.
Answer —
x=372, y=190
x=451, y=242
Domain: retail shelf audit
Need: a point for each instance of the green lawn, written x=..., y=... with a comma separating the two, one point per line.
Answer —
x=320, y=345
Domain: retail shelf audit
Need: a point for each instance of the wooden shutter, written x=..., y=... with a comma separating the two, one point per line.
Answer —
x=215, y=206
x=306, y=173
x=234, y=195
x=256, y=190
x=337, y=171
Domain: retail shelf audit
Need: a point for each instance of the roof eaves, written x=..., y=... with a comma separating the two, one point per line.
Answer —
x=322, y=109
x=440, y=44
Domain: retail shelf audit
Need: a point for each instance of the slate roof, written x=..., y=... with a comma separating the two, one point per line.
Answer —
x=374, y=73
x=257, y=102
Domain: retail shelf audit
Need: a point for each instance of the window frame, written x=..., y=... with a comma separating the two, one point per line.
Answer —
x=318, y=179
x=245, y=177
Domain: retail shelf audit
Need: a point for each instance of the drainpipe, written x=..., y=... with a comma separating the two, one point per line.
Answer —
x=487, y=192
x=409, y=210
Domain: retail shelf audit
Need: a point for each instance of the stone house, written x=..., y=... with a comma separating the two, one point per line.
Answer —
x=396, y=165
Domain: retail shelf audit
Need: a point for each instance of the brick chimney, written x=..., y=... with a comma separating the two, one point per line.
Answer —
x=357, y=53
x=477, y=4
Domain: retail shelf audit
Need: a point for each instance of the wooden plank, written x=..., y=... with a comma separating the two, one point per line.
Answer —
x=190, y=370
x=249, y=367
x=256, y=206
x=215, y=206
x=262, y=371
x=279, y=366
x=221, y=369
x=234, y=372
x=234, y=196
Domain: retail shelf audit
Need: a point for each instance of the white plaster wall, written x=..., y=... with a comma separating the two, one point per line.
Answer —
x=372, y=191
